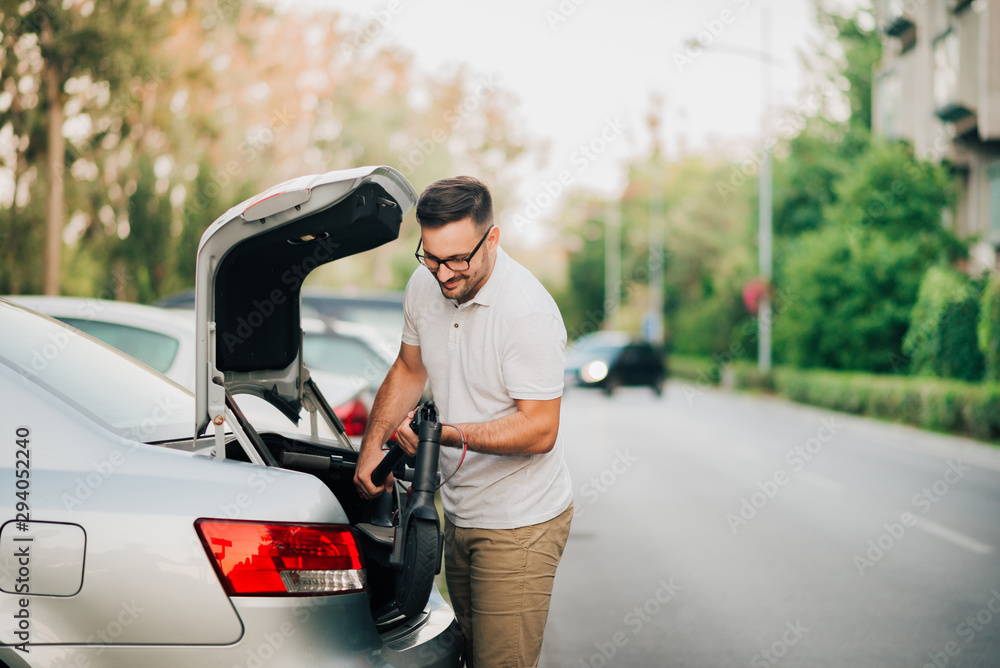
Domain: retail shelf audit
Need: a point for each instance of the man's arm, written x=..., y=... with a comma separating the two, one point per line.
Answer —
x=530, y=430
x=398, y=394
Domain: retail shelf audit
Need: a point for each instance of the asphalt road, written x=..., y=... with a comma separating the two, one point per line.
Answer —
x=717, y=529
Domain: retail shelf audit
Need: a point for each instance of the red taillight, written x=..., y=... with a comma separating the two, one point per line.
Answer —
x=256, y=559
x=354, y=415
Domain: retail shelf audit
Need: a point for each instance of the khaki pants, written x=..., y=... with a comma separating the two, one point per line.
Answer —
x=500, y=584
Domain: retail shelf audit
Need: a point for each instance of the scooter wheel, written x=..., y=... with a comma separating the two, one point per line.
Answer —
x=420, y=561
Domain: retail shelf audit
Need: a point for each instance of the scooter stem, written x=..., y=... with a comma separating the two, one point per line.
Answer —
x=425, y=480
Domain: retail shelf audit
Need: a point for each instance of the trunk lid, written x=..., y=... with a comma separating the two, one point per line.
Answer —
x=251, y=264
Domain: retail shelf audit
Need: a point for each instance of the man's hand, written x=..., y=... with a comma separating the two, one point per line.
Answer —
x=406, y=437
x=368, y=459
x=400, y=389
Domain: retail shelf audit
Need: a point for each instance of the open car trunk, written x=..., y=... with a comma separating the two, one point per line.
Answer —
x=251, y=264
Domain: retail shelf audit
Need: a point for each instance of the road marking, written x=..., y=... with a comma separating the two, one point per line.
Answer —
x=960, y=539
x=822, y=482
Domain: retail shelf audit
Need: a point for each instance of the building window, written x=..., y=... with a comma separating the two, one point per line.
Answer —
x=889, y=95
x=945, y=70
x=895, y=18
x=993, y=177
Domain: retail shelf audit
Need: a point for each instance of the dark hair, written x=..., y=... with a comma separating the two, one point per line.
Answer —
x=459, y=197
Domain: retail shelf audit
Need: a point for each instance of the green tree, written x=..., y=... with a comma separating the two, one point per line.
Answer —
x=848, y=61
x=823, y=150
x=856, y=278
x=93, y=44
x=890, y=191
x=851, y=303
x=706, y=259
x=583, y=305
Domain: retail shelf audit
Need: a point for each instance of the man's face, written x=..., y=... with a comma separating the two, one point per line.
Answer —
x=455, y=241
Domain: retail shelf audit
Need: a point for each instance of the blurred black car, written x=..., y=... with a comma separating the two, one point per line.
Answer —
x=610, y=360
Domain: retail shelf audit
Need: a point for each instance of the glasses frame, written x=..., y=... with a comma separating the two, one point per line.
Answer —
x=422, y=259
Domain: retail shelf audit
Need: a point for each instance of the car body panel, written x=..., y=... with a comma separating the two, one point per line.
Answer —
x=84, y=484
x=250, y=274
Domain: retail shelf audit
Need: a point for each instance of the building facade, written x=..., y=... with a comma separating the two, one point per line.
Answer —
x=938, y=87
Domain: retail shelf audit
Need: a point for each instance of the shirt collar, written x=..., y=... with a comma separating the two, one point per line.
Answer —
x=489, y=291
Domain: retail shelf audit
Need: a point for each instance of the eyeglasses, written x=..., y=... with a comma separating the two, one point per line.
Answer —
x=455, y=263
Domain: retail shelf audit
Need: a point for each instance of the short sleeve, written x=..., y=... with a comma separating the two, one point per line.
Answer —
x=410, y=335
x=533, y=356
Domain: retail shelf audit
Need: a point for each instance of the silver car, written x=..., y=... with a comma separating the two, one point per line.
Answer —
x=144, y=526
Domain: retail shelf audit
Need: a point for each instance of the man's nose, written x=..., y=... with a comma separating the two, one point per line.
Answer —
x=444, y=274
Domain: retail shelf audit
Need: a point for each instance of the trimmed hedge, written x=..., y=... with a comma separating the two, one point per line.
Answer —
x=929, y=403
x=702, y=369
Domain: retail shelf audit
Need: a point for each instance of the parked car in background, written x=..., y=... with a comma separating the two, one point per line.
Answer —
x=347, y=348
x=610, y=359
x=382, y=311
x=164, y=340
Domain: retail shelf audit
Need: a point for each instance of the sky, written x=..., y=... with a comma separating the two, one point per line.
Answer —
x=586, y=72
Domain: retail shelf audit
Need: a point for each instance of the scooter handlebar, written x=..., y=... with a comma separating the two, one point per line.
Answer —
x=395, y=455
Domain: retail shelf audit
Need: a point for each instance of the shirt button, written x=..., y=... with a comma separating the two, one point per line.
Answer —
x=456, y=325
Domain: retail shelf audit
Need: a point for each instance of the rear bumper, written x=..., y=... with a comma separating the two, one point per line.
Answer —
x=433, y=639
x=320, y=632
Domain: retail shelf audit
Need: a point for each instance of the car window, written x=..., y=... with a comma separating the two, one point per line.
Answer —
x=604, y=353
x=153, y=349
x=386, y=318
x=344, y=356
x=632, y=355
x=100, y=382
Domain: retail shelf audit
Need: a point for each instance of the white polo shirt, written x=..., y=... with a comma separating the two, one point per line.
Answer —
x=506, y=343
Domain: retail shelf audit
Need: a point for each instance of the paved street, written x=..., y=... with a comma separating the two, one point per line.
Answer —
x=716, y=529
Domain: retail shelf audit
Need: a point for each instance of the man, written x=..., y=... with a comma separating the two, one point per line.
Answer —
x=491, y=341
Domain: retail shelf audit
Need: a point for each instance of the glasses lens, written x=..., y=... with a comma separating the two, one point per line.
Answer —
x=456, y=265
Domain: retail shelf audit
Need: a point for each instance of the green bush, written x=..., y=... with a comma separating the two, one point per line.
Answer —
x=941, y=339
x=988, y=330
x=929, y=403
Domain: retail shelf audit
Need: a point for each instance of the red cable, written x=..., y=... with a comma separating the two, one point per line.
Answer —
x=465, y=449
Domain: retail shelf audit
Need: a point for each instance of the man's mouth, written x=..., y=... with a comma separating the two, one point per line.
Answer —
x=452, y=284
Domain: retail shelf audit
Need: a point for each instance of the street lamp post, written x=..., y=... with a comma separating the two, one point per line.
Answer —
x=654, y=316
x=764, y=231
x=764, y=184
x=612, y=262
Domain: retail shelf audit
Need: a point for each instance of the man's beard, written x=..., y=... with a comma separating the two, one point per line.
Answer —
x=466, y=283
